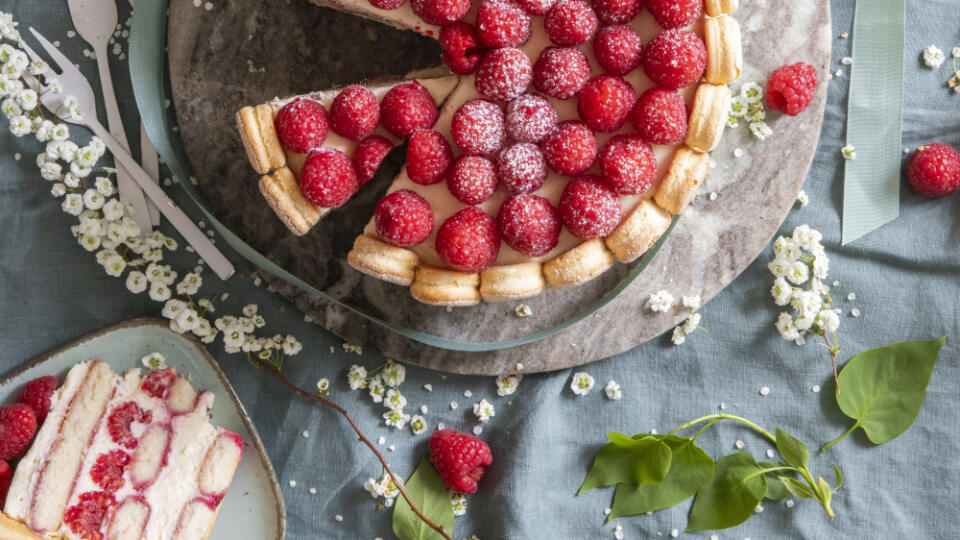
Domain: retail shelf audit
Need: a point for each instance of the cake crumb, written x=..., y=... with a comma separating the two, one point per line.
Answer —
x=338, y=517
x=306, y=434
x=764, y=390
x=477, y=430
x=428, y=387
x=713, y=195
x=293, y=483
x=815, y=389
x=738, y=444
x=523, y=310
x=313, y=491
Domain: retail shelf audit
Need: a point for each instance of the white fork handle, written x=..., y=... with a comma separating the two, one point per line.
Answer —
x=150, y=162
x=220, y=265
x=126, y=185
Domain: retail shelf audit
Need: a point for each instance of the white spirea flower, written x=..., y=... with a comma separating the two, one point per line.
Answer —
x=692, y=302
x=203, y=328
x=188, y=319
x=376, y=389
x=58, y=190
x=61, y=132
x=20, y=126
x=159, y=291
x=394, y=374
x=418, y=424
x=373, y=487
x=89, y=242
x=93, y=199
x=807, y=303
x=849, y=152
x=233, y=337
x=798, y=273
x=612, y=390
x=206, y=305
x=660, y=301
x=581, y=383
x=79, y=171
x=786, y=328
x=154, y=361
x=291, y=346
x=396, y=419
x=760, y=130
x=87, y=157
x=387, y=487
x=807, y=238
x=112, y=210
x=507, y=384
x=395, y=400
x=458, y=502
x=51, y=171
x=357, y=377
x=104, y=186
x=27, y=99
x=802, y=198
x=249, y=310
x=679, y=336
x=190, y=284
x=11, y=108
x=115, y=265
x=484, y=410
x=72, y=204
x=933, y=57
x=738, y=107
x=828, y=320
x=691, y=323
x=781, y=291
x=136, y=282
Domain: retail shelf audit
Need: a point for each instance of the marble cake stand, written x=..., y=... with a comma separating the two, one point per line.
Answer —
x=244, y=52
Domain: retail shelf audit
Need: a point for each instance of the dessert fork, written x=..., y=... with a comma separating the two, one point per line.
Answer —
x=150, y=162
x=76, y=85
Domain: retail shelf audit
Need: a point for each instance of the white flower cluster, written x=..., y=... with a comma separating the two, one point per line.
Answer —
x=382, y=488
x=383, y=386
x=749, y=106
x=691, y=323
x=458, y=501
x=954, y=81
x=105, y=225
x=800, y=266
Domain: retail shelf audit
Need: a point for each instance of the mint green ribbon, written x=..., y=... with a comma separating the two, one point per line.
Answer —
x=871, y=186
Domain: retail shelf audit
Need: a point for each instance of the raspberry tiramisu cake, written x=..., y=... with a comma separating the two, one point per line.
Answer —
x=569, y=136
x=122, y=457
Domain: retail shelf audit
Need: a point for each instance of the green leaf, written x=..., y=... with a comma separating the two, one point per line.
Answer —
x=639, y=461
x=794, y=452
x=796, y=488
x=839, y=475
x=730, y=497
x=776, y=490
x=427, y=491
x=825, y=492
x=690, y=469
x=883, y=389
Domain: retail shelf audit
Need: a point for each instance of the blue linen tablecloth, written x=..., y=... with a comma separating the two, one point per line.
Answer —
x=905, y=277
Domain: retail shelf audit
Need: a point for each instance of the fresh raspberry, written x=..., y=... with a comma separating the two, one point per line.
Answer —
x=462, y=51
x=477, y=127
x=561, y=71
x=428, y=157
x=521, y=168
x=934, y=170
x=459, y=459
x=86, y=517
x=120, y=420
x=529, y=224
x=301, y=125
x=468, y=240
x=387, y=4
x=660, y=116
x=328, y=178
x=18, y=424
x=628, y=164
x=403, y=218
x=570, y=149
x=530, y=118
x=618, y=49
x=501, y=23
x=570, y=22
x=503, y=74
x=406, y=108
x=675, y=13
x=158, y=383
x=6, y=476
x=589, y=208
x=790, y=89
x=536, y=7
x=368, y=156
x=440, y=12
x=355, y=112
x=604, y=103
x=617, y=11
x=36, y=394
x=472, y=179
x=107, y=471
x=675, y=59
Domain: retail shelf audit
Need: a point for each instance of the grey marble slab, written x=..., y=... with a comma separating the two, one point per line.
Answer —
x=245, y=52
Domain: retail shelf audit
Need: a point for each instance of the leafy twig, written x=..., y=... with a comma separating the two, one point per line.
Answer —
x=314, y=397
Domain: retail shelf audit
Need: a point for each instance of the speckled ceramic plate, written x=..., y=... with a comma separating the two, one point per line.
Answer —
x=253, y=508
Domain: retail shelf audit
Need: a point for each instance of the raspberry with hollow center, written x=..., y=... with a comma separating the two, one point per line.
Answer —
x=570, y=149
x=521, y=168
x=355, y=112
x=107, y=471
x=501, y=23
x=36, y=394
x=675, y=13
x=561, y=71
x=403, y=218
x=675, y=59
x=503, y=74
x=617, y=11
x=477, y=127
x=459, y=459
x=87, y=516
x=368, y=156
x=301, y=125
x=570, y=22
x=406, y=108
x=791, y=88
x=660, y=116
x=468, y=240
x=428, y=157
x=462, y=51
x=472, y=179
x=440, y=12
x=604, y=103
x=628, y=164
x=589, y=207
x=120, y=420
x=328, y=178
x=529, y=224
x=536, y=7
x=18, y=424
x=934, y=170
x=158, y=383
x=530, y=118
x=619, y=49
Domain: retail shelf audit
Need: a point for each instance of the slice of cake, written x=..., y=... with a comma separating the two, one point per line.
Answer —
x=123, y=457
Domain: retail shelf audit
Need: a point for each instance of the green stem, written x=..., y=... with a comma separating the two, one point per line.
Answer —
x=718, y=417
x=838, y=439
x=704, y=428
